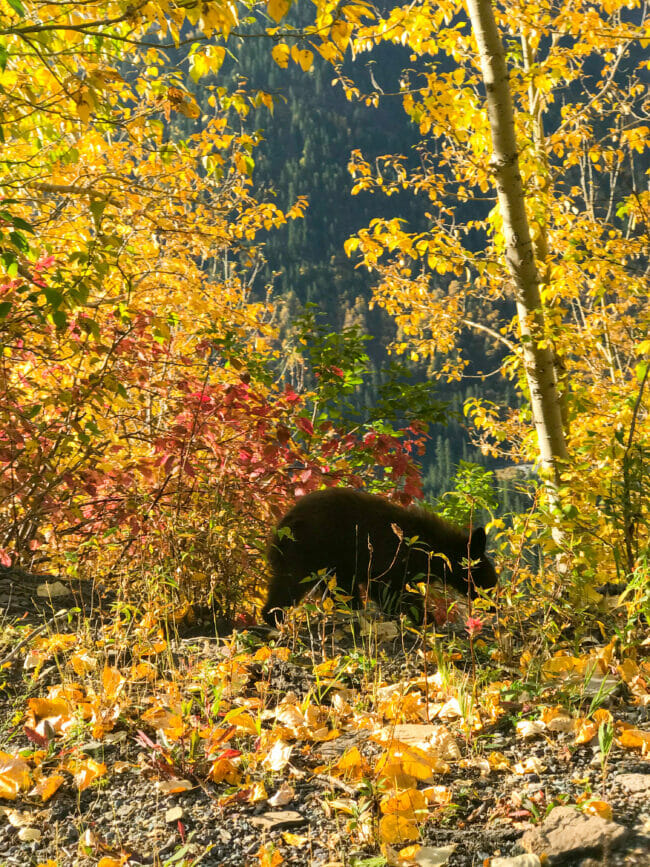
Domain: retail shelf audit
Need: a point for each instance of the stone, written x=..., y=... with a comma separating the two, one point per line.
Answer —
x=517, y=861
x=567, y=835
x=634, y=783
x=278, y=819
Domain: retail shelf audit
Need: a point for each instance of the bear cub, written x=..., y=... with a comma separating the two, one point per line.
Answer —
x=365, y=540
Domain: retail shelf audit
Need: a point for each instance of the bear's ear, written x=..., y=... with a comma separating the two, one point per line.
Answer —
x=477, y=542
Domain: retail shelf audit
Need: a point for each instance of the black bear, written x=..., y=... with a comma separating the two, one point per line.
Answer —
x=367, y=540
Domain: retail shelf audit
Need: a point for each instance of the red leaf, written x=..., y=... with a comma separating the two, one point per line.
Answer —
x=305, y=425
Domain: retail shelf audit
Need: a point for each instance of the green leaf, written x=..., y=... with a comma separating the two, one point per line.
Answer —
x=97, y=208
x=5, y=307
x=17, y=6
x=60, y=319
x=54, y=297
x=19, y=241
x=23, y=224
x=90, y=326
x=10, y=263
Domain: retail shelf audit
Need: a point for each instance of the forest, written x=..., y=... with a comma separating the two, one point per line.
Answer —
x=324, y=439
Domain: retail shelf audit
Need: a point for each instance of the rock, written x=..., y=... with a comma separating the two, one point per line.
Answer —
x=434, y=856
x=566, y=835
x=29, y=835
x=516, y=861
x=278, y=819
x=174, y=814
x=634, y=783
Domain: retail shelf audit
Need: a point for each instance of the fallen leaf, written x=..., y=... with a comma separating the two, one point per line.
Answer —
x=599, y=808
x=407, y=803
x=278, y=756
x=47, y=786
x=530, y=728
x=635, y=739
x=394, y=828
x=284, y=795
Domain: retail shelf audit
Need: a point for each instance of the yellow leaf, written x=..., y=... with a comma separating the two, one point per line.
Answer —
x=407, y=803
x=397, y=829
x=352, y=764
x=628, y=670
x=421, y=765
x=437, y=795
x=82, y=663
x=269, y=856
x=303, y=57
x=559, y=665
x=327, y=668
x=340, y=34
x=296, y=840
x=280, y=53
x=243, y=720
x=47, y=708
x=329, y=52
x=498, y=762
x=257, y=793
x=277, y=9
x=392, y=774
x=163, y=718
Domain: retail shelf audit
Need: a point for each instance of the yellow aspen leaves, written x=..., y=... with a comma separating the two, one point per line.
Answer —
x=340, y=34
x=280, y=53
x=277, y=9
x=303, y=57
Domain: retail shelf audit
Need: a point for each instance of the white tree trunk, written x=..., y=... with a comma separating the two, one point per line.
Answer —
x=537, y=354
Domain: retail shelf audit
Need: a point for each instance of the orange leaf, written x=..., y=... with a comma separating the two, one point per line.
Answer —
x=599, y=808
x=46, y=787
x=86, y=771
x=224, y=769
x=586, y=730
x=112, y=681
x=14, y=776
x=634, y=739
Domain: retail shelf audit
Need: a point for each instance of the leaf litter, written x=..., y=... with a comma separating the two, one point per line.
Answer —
x=234, y=752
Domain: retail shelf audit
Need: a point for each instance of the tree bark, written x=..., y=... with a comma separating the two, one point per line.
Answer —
x=520, y=258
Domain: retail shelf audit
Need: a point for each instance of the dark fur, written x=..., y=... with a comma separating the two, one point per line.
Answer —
x=349, y=534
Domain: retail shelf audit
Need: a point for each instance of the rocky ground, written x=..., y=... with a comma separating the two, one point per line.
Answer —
x=544, y=796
